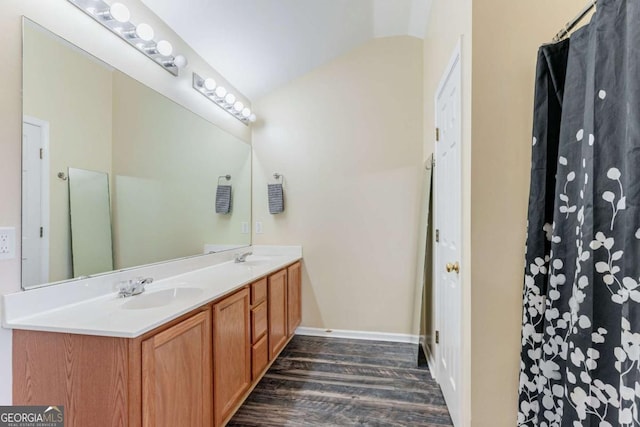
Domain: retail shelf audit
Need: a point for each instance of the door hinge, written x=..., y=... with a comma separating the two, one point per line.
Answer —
x=41, y=153
x=41, y=232
x=437, y=236
x=437, y=337
x=437, y=134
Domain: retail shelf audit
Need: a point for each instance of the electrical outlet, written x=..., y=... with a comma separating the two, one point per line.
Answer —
x=259, y=227
x=245, y=228
x=7, y=242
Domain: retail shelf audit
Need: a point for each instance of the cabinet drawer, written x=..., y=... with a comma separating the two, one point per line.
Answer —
x=259, y=357
x=258, y=291
x=258, y=321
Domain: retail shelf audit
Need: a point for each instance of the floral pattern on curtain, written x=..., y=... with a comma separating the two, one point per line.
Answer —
x=580, y=358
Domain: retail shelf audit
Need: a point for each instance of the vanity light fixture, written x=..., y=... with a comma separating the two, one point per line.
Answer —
x=223, y=99
x=115, y=17
x=144, y=32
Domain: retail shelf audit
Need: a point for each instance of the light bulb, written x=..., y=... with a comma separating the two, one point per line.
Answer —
x=238, y=106
x=119, y=12
x=230, y=98
x=221, y=91
x=209, y=84
x=164, y=48
x=180, y=61
x=246, y=112
x=144, y=32
x=252, y=118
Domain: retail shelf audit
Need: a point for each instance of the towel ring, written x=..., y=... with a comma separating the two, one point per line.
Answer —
x=226, y=177
x=278, y=176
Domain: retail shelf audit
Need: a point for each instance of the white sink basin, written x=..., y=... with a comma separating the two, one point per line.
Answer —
x=160, y=298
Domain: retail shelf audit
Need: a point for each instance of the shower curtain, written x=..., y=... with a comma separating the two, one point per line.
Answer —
x=580, y=358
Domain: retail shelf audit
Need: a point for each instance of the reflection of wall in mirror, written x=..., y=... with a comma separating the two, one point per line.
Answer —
x=166, y=177
x=59, y=82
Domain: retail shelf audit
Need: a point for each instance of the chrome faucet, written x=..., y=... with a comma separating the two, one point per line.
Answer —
x=242, y=257
x=128, y=288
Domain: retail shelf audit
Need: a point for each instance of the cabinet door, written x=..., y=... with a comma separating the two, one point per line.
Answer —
x=277, y=300
x=294, y=297
x=259, y=357
x=176, y=375
x=231, y=353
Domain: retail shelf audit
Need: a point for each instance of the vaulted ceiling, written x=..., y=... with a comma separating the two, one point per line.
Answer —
x=259, y=45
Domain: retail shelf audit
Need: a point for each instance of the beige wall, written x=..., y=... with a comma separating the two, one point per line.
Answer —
x=72, y=83
x=506, y=37
x=348, y=139
x=65, y=19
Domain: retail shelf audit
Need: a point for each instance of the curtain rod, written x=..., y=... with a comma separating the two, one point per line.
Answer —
x=571, y=24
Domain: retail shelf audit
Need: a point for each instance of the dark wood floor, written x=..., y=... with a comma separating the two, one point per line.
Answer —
x=341, y=382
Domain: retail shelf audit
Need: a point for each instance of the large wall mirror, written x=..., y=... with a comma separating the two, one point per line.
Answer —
x=115, y=175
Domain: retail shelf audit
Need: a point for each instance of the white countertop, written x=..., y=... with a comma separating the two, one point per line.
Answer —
x=107, y=315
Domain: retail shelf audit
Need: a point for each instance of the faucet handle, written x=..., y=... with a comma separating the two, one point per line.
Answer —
x=139, y=283
x=125, y=287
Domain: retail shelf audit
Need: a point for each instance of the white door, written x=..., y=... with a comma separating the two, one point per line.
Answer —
x=448, y=223
x=35, y=205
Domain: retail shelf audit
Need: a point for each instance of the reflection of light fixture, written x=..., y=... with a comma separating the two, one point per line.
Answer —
x=230, y=98
x=115, y=17
x=223, y=99
x=221, y=92
x=209, y=84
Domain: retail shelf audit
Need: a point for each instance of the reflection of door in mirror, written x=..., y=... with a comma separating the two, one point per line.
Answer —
x=89, y=206
x=35, y=201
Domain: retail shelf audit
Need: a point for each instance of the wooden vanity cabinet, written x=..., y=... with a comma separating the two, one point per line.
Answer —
x=176, y=375
x=277, y=310
x=231, y=353
x=160, y=378
x=294, y=297
x=195, y=370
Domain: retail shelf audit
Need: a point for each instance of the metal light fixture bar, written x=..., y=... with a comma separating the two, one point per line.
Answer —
x=223, y=99
x=115, y=18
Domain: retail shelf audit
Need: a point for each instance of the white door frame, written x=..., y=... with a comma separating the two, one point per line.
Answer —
x=464, y=386
x=45, y=195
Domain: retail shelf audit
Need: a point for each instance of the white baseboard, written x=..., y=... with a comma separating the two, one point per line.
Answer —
x=431, y=363
x=357, y=335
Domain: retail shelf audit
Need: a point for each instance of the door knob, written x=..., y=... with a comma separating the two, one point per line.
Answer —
x=453, y=267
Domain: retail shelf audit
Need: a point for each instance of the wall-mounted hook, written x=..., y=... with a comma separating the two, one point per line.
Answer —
x=62, y=176
x=225, y=177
